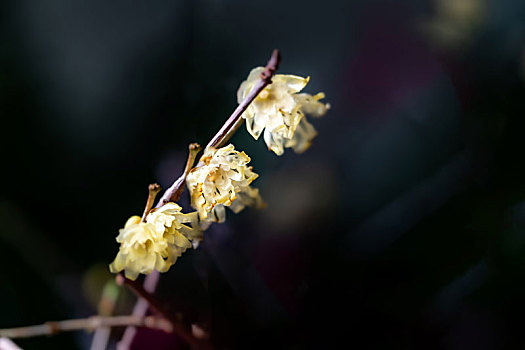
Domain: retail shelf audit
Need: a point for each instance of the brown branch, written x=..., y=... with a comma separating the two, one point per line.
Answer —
x=159, y=308
x=89, y=324
x=232, y=123
x=174, y=192
x=140, y=309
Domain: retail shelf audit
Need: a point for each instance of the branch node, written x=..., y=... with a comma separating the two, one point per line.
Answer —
x=271, y=67
x=54, y=327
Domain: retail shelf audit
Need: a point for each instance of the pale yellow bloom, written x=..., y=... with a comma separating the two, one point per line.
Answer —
x=222, y=180
x=155, y=244
x=279, y=111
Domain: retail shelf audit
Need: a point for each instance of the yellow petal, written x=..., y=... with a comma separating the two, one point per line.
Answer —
x=294, y=83
x=302, y=139
x=310, y=104
x=274, y=141
x=133, y=220
x=181, y=241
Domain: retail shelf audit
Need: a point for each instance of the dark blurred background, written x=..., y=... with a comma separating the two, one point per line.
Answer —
x=402, y=227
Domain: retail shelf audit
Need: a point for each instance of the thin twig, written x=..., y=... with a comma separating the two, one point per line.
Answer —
x=150, y=282
x=173, y=193
x=140, y=309
x=157, y=307
x=88, y=324
x=153, y=190
x=231, y=124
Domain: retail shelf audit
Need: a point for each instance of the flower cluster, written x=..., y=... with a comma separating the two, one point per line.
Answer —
x=222, y=180
x=156, y=243
x=280, y=111
x=222, y=177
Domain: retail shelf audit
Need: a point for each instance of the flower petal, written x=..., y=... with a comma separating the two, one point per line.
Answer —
x=294, y=83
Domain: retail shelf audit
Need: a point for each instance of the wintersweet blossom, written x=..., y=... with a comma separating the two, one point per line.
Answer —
x=280, y=110
x=222, y=180
x=155, y=244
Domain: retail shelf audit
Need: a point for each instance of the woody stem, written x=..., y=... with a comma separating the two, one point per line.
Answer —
x=90, y=323
x=157, y=307
x=174, y=192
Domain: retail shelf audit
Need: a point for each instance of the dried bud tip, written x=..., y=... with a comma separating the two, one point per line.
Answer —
x=194, y=146
x=154, y=188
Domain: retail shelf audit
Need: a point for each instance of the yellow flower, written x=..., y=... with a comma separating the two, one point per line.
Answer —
x=223, y=180
x=280, y=111
x=155, y=244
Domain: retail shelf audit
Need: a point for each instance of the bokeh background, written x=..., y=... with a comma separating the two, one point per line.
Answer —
x=403, y=226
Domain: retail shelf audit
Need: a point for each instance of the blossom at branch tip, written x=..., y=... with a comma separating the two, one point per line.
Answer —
x=279, y=111
x=223, y=180
x=157, y=243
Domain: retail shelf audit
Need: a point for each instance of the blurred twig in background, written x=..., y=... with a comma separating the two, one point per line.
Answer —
x=88, y=324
